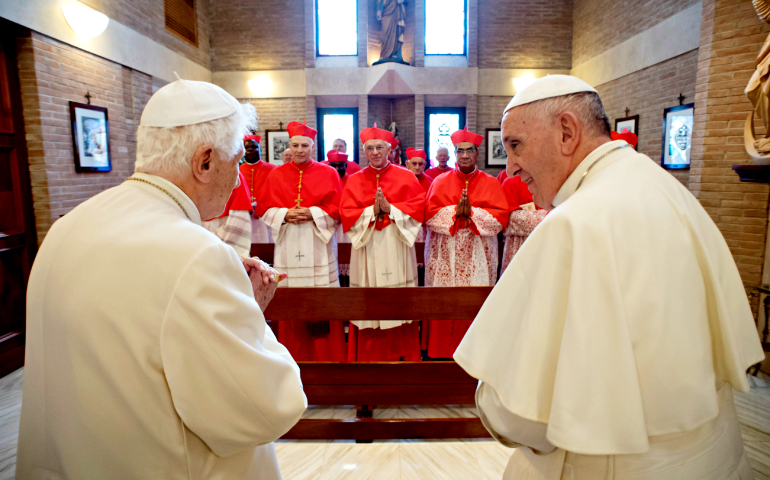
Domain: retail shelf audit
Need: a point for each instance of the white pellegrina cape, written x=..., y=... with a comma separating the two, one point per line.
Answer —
x=618, y=316
x=147, y=355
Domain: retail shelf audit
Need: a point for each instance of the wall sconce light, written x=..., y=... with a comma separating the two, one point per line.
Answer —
x=261, y=86
x=522, y=82
x=85, y=21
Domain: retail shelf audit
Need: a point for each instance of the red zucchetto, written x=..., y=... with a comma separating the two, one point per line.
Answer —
x=254, y=138
x=413, y=152
x=375, y=133
x=466, y=136
x=300, y=129
x=335, y=156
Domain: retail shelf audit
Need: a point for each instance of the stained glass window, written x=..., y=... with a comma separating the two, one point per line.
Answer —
x=445, y=27
x=337, y=27
x=440, y=127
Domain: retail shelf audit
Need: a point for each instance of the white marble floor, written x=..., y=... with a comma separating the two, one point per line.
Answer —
x=404, y=460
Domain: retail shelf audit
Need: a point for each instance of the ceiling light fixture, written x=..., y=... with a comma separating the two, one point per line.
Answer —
x=85, y=21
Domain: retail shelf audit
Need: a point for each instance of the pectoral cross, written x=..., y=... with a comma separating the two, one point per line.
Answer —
x=298, y=200
x=299, y=256
x=387, y=274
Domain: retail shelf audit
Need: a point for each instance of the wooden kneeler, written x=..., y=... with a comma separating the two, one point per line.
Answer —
x=365, y=384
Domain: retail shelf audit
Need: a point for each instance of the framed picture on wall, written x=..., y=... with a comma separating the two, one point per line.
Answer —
x=677, y=136
x=628, y=123
x=90, y=138
x=496, y=156
x=277, y=143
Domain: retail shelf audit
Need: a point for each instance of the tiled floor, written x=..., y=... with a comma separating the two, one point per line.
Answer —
x=404, y=460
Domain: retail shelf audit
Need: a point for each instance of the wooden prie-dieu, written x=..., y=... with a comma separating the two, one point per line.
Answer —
x=368, y=384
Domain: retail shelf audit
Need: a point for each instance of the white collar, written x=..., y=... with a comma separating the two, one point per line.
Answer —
x=174, y=191
x=570, y=185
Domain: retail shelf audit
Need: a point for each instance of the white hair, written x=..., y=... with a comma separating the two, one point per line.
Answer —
x=443, y=148
x=167, y=151
x=587, y=106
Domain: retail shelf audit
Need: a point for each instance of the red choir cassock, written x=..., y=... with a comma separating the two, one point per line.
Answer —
x=255, y=173
x=517, y=193
x=484, y=191
x=240, y=199
x=502, y=176
x=425, y=181
x=436, y=171
x=310, y=184
x=403, y=192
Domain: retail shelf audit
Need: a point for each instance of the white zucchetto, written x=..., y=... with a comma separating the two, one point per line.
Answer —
x=187, y=102
x=548, y=87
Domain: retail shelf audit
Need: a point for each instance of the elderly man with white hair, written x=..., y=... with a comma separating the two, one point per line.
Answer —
x=382, y=209
x=611, y=345
x=442, y=157
x=147, y=352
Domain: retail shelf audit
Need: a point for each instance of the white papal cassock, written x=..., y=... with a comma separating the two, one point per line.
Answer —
x=147, y=355
x=612, y=331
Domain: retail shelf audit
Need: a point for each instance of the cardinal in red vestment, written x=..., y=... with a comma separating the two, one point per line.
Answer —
x=382, y=210
x=466, y=209
x=523, y=218
x=341, y=146
x=502, y=176
x=300, y=203
x=256, y=171
x=442, y=157
x=339, y=161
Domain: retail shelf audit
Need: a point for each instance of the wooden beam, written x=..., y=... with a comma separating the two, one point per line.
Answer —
x=409, y=303
x=427, y=394
x=387, y=429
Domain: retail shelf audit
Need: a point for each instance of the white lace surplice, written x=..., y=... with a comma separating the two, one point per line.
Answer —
x=383, y=258
x=307, y=252
x=342, y=237
x=464, y=259
x=520, y=225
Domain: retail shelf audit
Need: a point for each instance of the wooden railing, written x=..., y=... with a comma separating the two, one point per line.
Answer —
x=382, y=383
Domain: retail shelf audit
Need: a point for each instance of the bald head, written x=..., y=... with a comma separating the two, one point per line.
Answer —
x=442, y=157
x=547, y=139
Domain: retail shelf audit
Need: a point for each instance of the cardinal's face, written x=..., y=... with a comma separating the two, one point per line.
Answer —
x=442, y=157
x=416, y=165
x=377, y=152
x=301, y=148
x=340, y=146
x=532, y=148
x=341, y=167
x=253, y=151
x=467, y=155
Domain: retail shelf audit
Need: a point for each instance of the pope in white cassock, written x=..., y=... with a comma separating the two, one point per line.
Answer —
x=611, y=345
x=147, y=352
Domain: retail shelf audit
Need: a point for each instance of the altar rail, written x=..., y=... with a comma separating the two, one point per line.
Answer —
x=382, y=383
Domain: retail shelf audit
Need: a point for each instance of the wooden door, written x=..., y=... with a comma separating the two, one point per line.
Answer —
x=18, y=243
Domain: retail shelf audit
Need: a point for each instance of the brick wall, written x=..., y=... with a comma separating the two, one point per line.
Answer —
x=271, y=111
x=525, y=34
x=489, y=114
x=264, y=35
x=601, y=24
x=731, y=37
x=52, y=74
x=379, y=112
x=148, y=18
x=646, y=93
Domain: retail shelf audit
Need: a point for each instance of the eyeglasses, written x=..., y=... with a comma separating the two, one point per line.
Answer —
x=461, y=151
x=379, y=148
